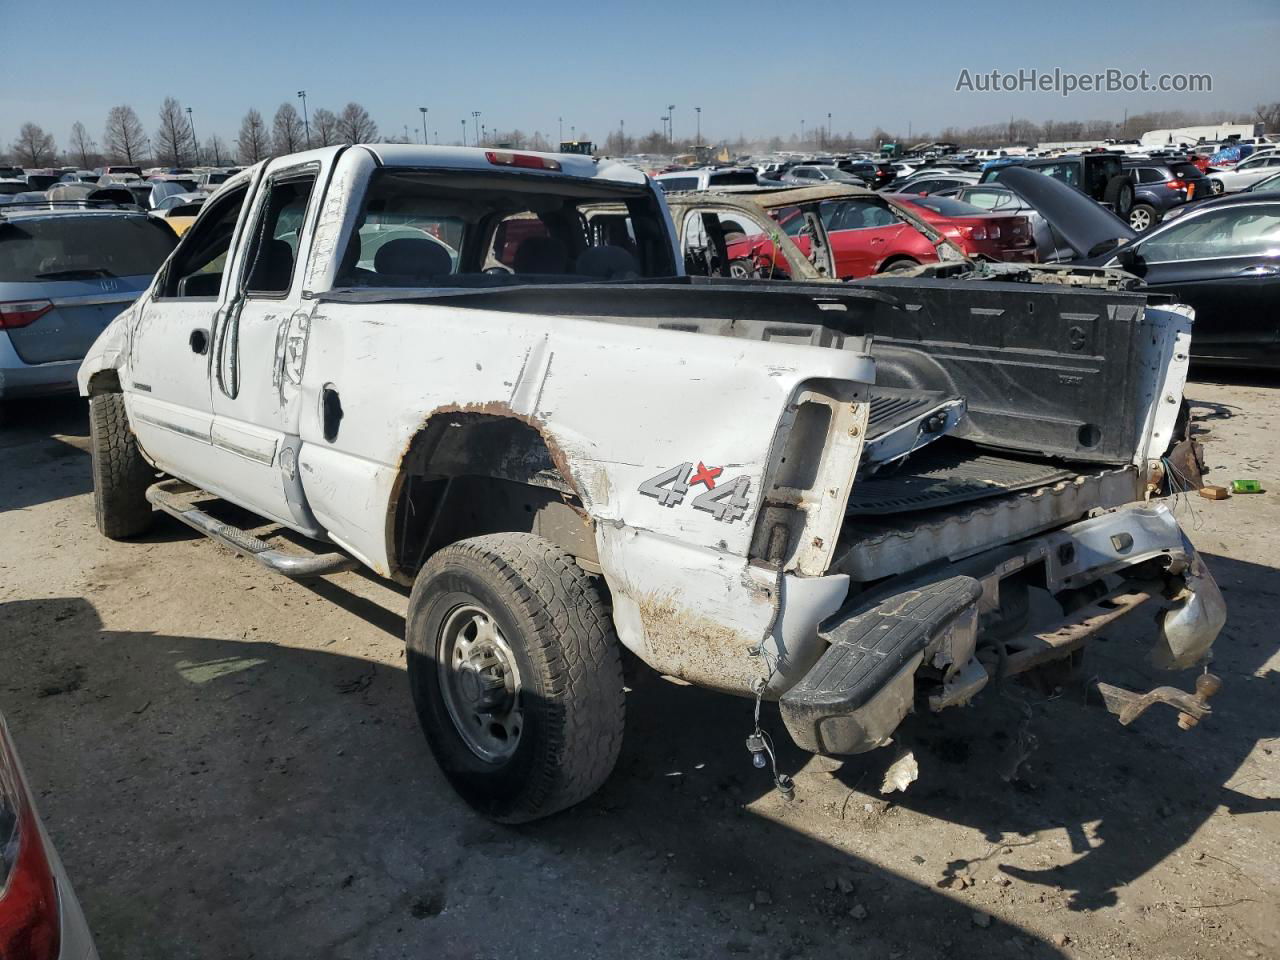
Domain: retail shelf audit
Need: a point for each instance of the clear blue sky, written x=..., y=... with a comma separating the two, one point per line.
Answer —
x=756, y=68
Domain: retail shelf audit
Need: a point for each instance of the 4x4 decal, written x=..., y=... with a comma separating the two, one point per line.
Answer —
x=726, y=501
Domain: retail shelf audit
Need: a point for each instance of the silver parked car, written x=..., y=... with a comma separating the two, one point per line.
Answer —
x=66, y=270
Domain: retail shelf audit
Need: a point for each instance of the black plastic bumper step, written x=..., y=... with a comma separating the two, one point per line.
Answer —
x=868, y=650
x=932, y=479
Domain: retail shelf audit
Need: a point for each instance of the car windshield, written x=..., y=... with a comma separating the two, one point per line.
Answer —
x=458, y=229
x=68, y=247
x=733, y=178
x=1266, y=186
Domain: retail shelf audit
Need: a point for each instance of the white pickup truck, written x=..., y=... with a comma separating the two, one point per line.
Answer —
x=483, y=373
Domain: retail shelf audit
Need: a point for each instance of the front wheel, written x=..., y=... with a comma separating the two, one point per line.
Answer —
x=516, y=675
x=120, y=474
x=1217, y=187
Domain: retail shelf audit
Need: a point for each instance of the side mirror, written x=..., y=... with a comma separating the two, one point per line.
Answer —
x=1129, y=258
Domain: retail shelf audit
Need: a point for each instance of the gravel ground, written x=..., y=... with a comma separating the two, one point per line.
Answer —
x=230, y=767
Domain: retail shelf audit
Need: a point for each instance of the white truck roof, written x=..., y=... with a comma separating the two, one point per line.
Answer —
x=475, y=158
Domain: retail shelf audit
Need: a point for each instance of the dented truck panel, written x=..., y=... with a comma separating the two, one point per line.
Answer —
x=664, y=436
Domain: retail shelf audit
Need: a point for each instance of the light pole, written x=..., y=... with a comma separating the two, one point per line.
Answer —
x=827, y=138
x=560, y=121
x=423, y=111
x=306, y=122
x=464, y=131
x=671, y=125
x=698, y=111
x=802, y=133
x=195, y=144
x=475, y=125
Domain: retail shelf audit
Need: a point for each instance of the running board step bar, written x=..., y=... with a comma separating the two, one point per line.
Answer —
x=168, y=496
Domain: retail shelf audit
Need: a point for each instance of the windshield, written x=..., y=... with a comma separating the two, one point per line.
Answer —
x=66, y=247
x=733, y=178
x=438, y=229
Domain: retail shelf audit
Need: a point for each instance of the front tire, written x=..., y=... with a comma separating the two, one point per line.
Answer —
x=516, y=675
x=1217, y=187
x=120, y=474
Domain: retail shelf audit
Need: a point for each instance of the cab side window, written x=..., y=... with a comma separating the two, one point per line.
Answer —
x=276, y=236
x=197, y=269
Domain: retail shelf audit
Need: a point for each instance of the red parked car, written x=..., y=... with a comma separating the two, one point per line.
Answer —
x=979, y=233
x=865, y=234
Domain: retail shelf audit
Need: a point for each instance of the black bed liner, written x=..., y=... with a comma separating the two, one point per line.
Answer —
x=939, y=479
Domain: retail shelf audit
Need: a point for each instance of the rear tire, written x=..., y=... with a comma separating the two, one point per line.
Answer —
x=120, y=474
x=522, y=704
x=898, y=264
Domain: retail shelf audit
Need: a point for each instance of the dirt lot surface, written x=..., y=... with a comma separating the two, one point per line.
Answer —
x=230, y=767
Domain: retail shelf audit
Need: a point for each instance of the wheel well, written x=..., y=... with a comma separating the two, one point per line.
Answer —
x=896, y=259
x=469, y=474
x=105, y=381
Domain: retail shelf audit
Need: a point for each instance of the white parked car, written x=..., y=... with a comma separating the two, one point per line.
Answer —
x=524, y=411
x=1246, y=173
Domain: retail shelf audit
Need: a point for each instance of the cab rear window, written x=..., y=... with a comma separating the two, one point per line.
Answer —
x=67, y=247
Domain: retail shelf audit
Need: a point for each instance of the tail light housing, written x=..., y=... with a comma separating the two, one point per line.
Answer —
x=29, y=922
x=22, y=313
x=528, y=161
x=1176, y=184
x=977, y=233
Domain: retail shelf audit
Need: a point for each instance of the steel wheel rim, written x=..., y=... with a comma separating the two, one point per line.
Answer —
x=1139, y=220
x=480, y=683
x=1217, y=187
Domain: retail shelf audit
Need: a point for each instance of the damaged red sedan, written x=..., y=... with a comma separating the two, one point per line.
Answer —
x=979, y=233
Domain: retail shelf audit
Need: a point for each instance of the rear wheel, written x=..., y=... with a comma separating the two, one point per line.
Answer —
x=1217, y=187
x=899, y=264
x=516, y=675
x=1142, y=217
x=120, y=474
x=742, y=269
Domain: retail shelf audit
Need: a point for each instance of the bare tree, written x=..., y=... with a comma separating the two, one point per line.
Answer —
x=287, y=130
x=324, y=127
x=215, y=151
x=34, y=147
x=82, y=147
x=173, y=136
x=1269, y=116
x=123, y=138
x=255, y=144
x=355, y=125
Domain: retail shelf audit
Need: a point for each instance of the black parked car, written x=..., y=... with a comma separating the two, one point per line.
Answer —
x=1221, y=257
x=1161, y=185
x=1100, y=176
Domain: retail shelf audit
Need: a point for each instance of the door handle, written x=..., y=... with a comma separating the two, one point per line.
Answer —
x=199, y=341
x=1261, y=270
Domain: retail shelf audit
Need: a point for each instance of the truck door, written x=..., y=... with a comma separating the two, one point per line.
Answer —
x=258, y=353
x=170, y=344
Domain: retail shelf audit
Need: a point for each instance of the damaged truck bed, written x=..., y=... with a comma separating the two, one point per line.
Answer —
x=480, y=373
